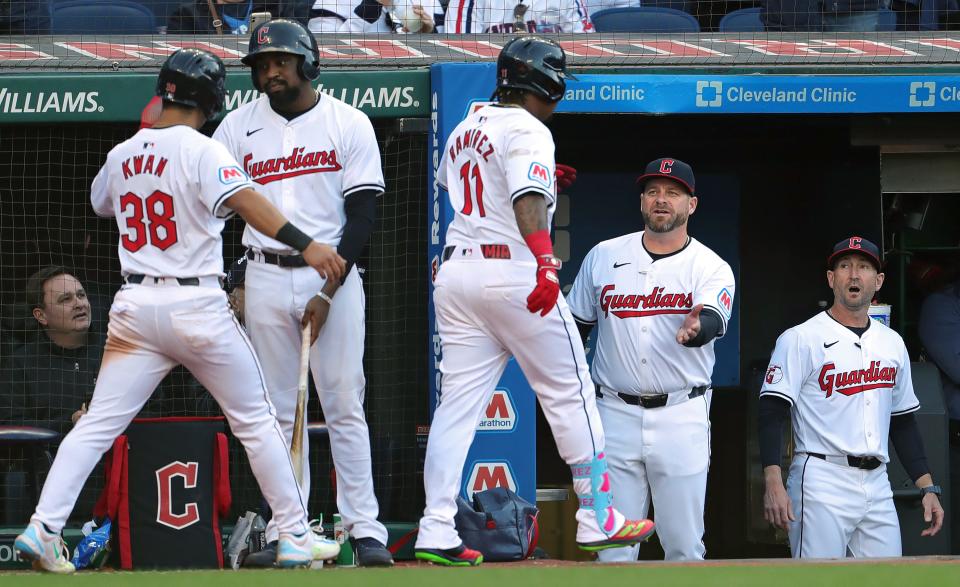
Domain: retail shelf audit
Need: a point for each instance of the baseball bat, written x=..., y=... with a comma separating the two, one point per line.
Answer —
x=296, y=447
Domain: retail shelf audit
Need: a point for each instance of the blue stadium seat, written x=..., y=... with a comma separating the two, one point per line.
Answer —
x=745, y=20
x=888, y=20
x=118, y=17
x=644, y=20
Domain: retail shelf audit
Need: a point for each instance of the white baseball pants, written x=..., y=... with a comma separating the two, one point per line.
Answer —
x=483, y=320
x=153, y=328
x=663, y=455
x=841, y=511
x=275, y=301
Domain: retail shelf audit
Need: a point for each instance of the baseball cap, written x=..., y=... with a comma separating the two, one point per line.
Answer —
x=235, y=274
x=856, y=244
x=670, y=168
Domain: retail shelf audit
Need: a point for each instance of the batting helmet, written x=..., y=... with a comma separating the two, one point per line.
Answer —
x=284, y=36
x=534, y=64
x=193, y=77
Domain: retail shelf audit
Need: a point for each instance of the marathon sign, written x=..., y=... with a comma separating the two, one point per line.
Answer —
x=487, y=475
x=500, y=415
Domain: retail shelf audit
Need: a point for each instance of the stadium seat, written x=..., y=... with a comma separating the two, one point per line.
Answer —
x=644, y=20
x=888, y=20
x=745, y=20
x=105, y=17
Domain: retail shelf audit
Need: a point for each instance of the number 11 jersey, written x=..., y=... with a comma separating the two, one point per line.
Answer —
x=494, y=156
x=167, y=188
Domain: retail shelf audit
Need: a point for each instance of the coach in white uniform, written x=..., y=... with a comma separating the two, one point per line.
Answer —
x=844, y=380
x=317, y=160
x=659, y=298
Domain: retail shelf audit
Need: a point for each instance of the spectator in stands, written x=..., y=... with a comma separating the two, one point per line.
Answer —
x=507, y=16
x=373, y=16
x=24, y=17
x=232, y=16
x=826, y=15
x=939, y=330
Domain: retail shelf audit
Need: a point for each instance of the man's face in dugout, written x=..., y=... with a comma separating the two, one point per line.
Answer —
x=278, y=75
x=854, y=280
x=66, y=307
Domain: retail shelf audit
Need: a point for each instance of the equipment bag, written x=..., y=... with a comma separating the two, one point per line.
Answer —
x=501, y=525
x=167, y=486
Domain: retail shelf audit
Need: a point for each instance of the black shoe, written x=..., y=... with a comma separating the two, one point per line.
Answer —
x=263, y=558
x=370, y=553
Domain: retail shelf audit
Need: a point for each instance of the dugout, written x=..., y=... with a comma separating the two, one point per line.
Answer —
x=787, y=180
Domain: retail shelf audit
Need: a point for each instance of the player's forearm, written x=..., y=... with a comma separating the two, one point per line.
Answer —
x=907, y=441
x=530, y=211
x=924, y=481
x=361, y=212
x=772, y=414
x=772, y=476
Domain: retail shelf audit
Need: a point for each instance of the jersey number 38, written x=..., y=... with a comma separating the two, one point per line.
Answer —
x=159, y=228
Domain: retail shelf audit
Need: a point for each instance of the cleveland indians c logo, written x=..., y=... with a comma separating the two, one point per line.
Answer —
x=855, y=242
x=191, y=512
x=262, y=35
x=666, y=166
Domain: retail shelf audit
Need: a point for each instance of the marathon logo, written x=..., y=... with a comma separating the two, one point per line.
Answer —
x=638, y=305
x=500, y=415
x=858, y=380
x=487, y=475
x=296, y=164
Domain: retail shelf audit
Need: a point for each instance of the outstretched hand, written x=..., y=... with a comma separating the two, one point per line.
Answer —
x=691, y=325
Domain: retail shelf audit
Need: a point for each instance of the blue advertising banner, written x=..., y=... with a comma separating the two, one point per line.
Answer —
x=761, y=94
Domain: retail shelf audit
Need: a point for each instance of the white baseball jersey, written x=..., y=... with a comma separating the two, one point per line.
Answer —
x=843, y=388
x=639, y=305
x=494, y=156
x=326, y=154
x=352, y=16
x=166, y=187
x=501, y=16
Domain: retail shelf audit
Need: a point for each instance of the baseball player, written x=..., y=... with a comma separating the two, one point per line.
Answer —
x=373, y=16
x=844, y=381
x=506, y=16
x=170, y=189
x=317, y=160
x=496, y=295
x=659, y=299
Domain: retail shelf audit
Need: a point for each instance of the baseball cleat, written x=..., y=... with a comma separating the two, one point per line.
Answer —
x=323, y=548
x=632, y=532
x=371, y=553
x=300, y=550
x=460, y=556
x=45, y=550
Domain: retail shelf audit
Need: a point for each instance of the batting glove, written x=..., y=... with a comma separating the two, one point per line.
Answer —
x=566, y=175
x=544, y=295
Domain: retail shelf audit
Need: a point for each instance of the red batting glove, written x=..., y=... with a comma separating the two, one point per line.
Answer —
x=544, y=295
x=566, y=175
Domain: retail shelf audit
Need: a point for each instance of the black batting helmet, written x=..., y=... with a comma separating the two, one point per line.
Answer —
x=534, y=64
x=284, y=36
x=193, y=77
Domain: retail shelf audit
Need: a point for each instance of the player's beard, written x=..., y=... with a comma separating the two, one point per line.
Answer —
x=863, y=299
x=283, y=98
x=675, y=220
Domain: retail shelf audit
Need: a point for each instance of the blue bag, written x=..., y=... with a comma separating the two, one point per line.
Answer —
x=501, y=525
x=93, y=549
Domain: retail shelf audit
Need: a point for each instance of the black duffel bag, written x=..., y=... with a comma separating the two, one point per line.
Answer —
x=501, y=525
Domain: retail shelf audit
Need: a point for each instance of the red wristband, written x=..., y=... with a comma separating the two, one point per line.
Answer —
x=539, y=243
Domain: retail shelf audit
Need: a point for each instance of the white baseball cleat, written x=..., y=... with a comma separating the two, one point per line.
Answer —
x=323, y=548
x=45, y=550
x=301, y=550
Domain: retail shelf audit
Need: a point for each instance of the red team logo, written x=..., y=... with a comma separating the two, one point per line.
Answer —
x=855, y=242
x=774, y=374
x=293, y=165
x=858, y=380
x=639, y=305
x=666, y=166
x=262, y=35
x=489, y=475
x=500, y=415
x=165, y=513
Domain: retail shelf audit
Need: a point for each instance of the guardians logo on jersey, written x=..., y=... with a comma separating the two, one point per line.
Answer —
x=858, y=380
x=297, y=163
x=655, y=303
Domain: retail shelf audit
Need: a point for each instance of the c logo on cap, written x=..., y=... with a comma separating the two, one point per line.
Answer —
x=666, y=166
x=262, y=35
x=855, y=242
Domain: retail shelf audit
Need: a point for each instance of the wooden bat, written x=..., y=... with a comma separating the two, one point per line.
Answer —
x=296, y=447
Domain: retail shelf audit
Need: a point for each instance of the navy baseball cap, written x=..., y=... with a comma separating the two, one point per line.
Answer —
x=859, y=245
x=235, y=274
x=670, y=168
